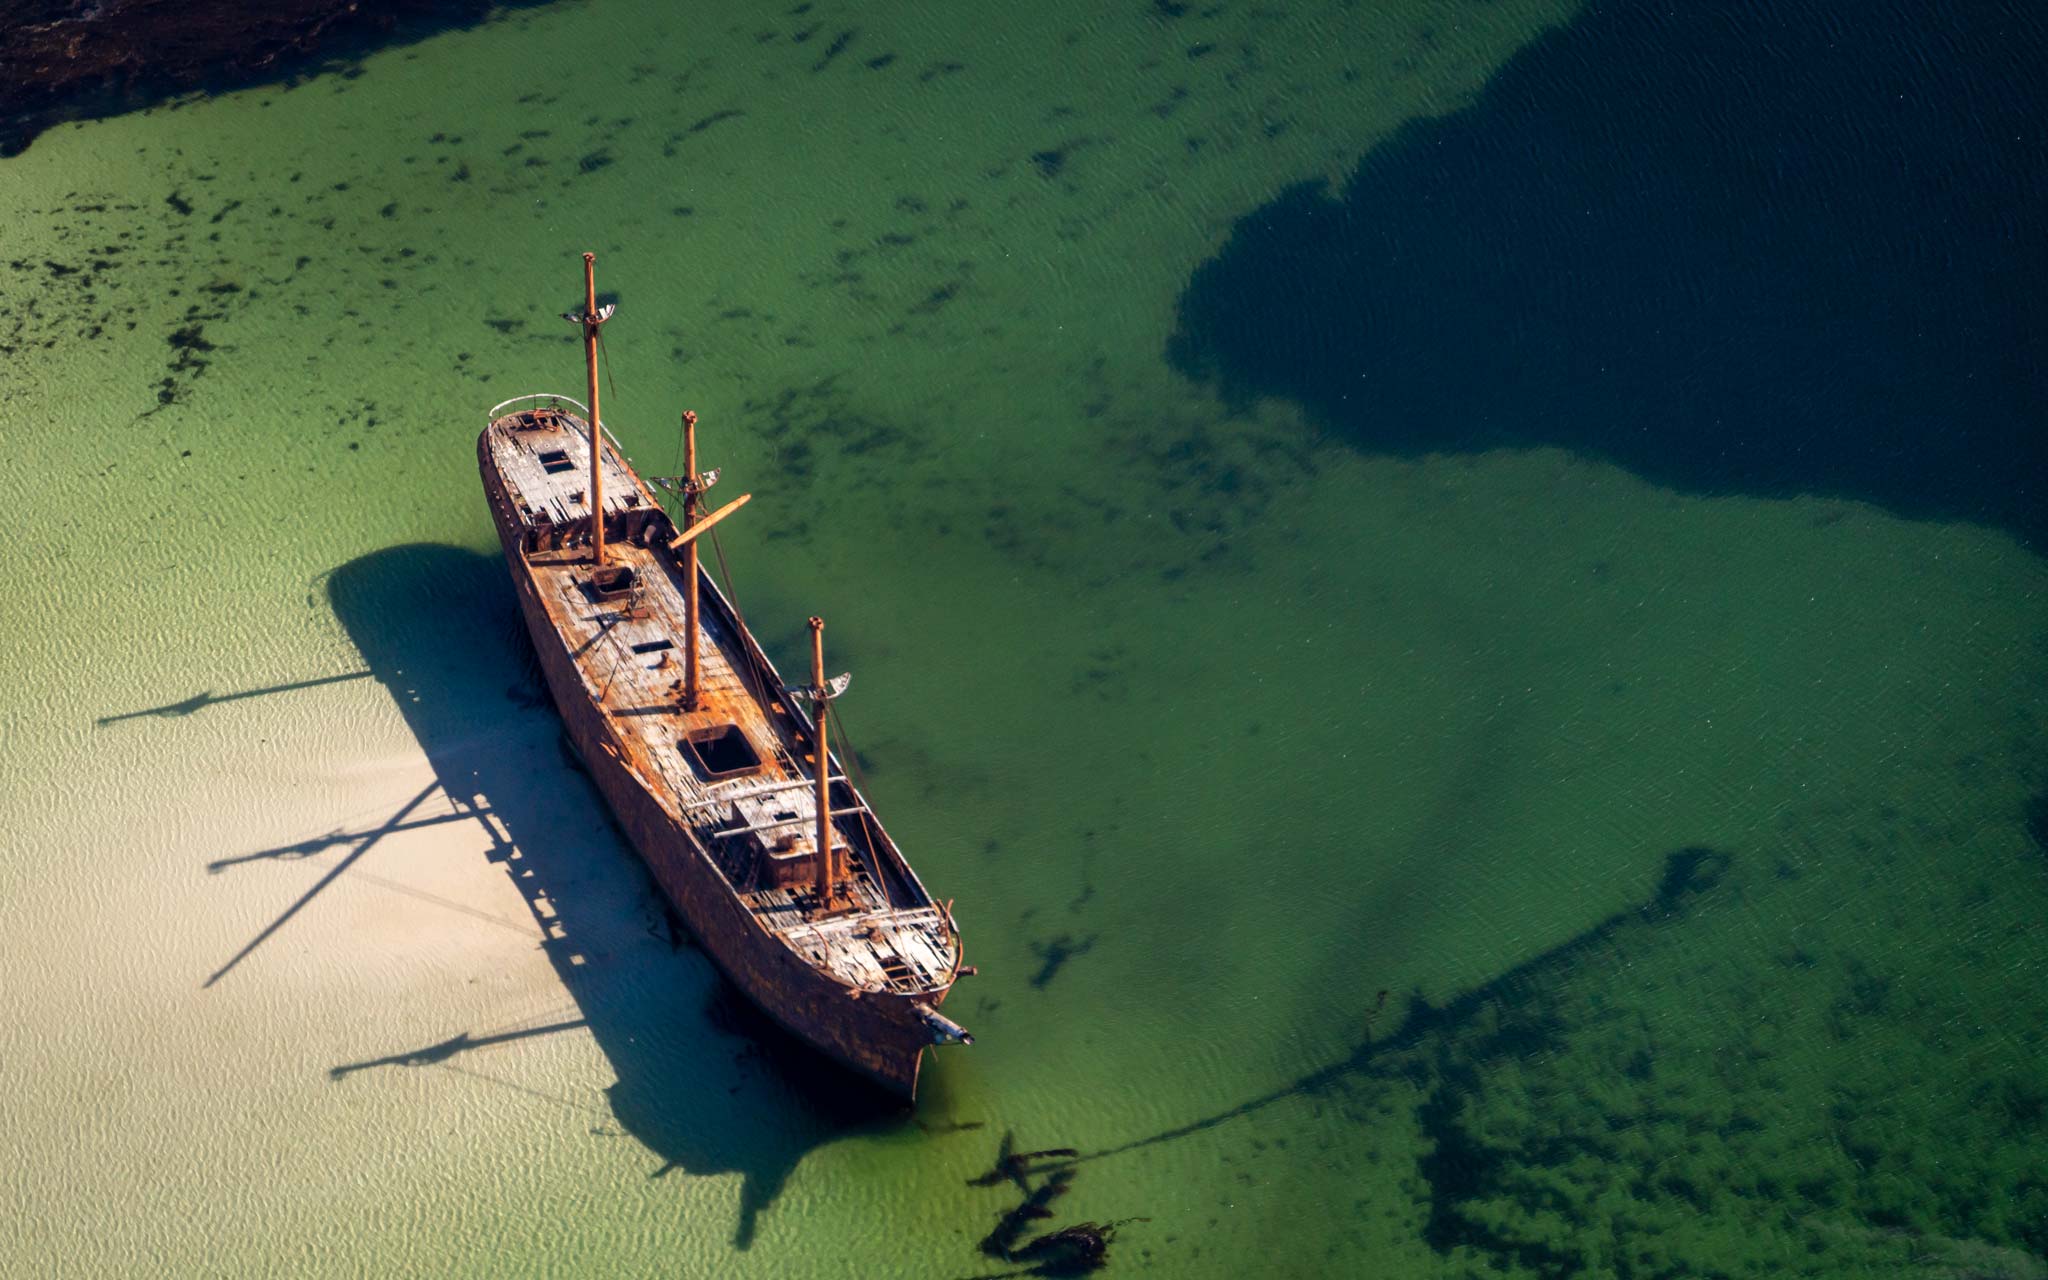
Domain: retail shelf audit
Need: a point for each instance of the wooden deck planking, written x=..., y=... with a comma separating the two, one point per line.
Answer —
x=564, y=494
x=643, y=696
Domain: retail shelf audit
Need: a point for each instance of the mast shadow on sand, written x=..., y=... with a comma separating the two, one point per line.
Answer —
x=705, y=1081
x=201, y=701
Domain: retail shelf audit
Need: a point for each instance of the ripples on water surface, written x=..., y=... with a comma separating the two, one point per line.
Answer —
x=1454, y=590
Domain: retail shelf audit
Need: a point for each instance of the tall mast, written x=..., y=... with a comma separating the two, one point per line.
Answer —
x=591, y=320
x=692, y=486
x=827, y=881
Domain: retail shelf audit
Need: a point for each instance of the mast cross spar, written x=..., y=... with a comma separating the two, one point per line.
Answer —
x=691, y=485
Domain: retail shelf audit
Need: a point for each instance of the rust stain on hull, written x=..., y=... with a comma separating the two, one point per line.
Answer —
x=719, y=798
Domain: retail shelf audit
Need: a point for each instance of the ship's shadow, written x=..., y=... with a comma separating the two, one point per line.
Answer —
x=705, y=1082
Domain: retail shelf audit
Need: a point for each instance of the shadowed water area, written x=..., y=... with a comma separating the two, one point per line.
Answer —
x=1736, y=248
x=411, y=610
x=1452, y=590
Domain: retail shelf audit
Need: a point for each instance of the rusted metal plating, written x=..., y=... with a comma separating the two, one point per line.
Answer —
x=796, y=892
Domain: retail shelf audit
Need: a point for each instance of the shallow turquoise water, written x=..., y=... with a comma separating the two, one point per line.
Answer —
x=1411, y=860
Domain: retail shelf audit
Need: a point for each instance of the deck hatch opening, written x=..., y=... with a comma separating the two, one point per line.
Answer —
x=720, y=751
x=612, y=581
x=653, y=646
x=555, y=461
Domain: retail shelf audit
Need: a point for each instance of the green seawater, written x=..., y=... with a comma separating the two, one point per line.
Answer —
x=1449, y=864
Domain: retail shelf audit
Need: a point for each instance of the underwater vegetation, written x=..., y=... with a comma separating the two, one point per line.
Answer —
x=1067, y=1251
x=1572, y=1124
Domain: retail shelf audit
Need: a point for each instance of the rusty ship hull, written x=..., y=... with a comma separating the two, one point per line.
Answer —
x=713, y=797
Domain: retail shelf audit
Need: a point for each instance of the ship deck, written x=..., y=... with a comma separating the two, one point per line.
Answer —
x=737, y=770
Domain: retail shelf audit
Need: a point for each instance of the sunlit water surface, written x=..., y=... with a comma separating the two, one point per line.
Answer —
x=1414, y=810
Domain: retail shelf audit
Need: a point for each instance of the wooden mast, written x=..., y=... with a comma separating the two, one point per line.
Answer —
x=822, y=711
x=691, y=488
x=590, y=323
x=692, y=484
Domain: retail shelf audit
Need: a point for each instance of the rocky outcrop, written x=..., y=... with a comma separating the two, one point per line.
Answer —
x=72, y=59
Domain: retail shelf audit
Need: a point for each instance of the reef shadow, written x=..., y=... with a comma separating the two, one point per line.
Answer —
x=1753, y=249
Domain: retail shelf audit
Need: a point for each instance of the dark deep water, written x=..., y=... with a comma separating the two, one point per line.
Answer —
x=1737, y=248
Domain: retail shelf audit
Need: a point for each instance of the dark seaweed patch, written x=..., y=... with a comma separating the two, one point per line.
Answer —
x=937, y=298
x=191, y=338
x=1690, y=871
x=1068, y=1251
x=801, y=423
x=1054, y=955
x=869, y=437
x=191, y=344
x=837, y=47
x=716, y=117
x=1460, y=1169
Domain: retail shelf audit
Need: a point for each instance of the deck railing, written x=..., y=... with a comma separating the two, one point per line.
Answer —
x=498, y=411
